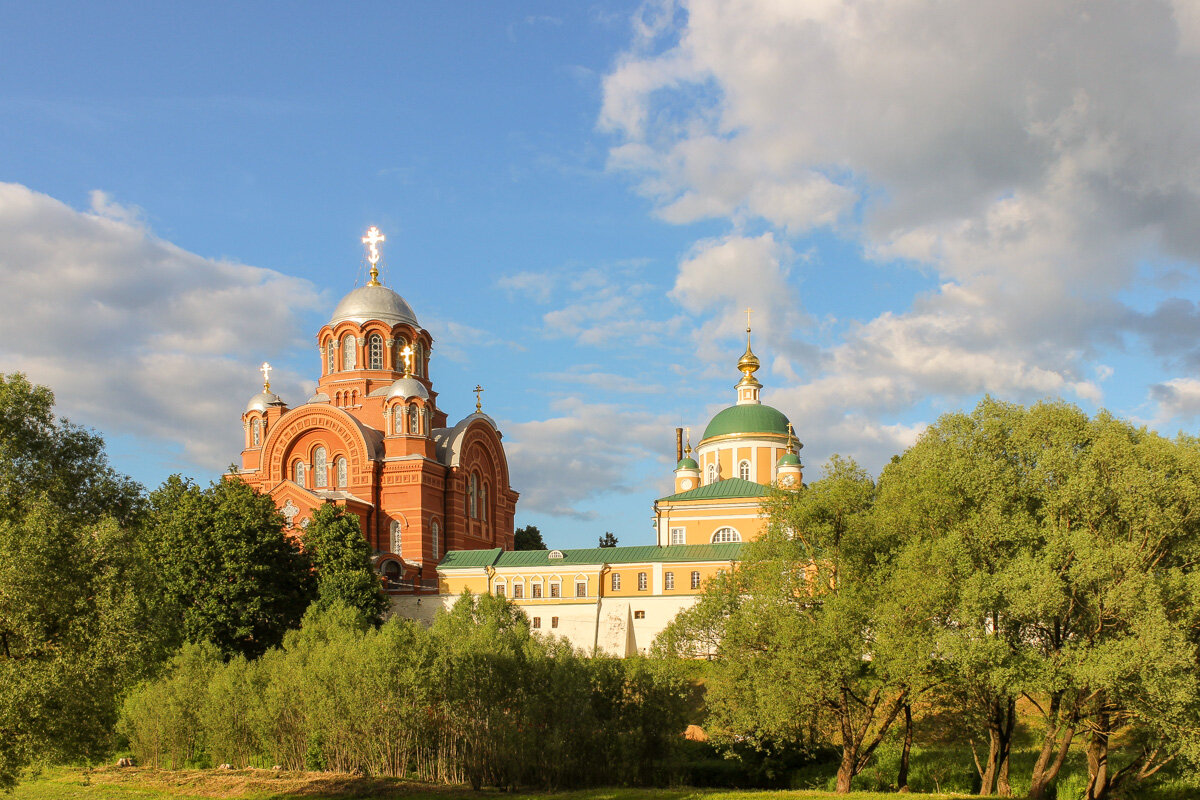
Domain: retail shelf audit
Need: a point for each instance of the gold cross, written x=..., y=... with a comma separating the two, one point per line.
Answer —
x=372, y=240
x=407, y=352
x=478, y=404
x=749, y=311
x=265, y=369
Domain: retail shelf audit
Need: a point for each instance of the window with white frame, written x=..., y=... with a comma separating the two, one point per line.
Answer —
x=616, y=581
x=581, y=588
x=726, y=535
x=518, y=591
x=499, y=590
x=712, y=473
x=374, y=351
x=744, y=470
x=298, y=473
x=643, y=582
x=394, y=536
x=556, y=589
x=341, y=472
x=668, y=580
x=255, y=432
x=330, y=357
x=349, y=352
x=535, y=591
x=678, y=536
x=320, y=467
x=695, y=579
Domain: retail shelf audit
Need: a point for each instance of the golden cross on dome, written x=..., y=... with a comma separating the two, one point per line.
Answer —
x=407, y=352
x=265, y=369
x=372, y=240
x=749, y=311
x=478, y=404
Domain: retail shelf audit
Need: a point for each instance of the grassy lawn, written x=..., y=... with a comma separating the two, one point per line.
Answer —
x=137, y=783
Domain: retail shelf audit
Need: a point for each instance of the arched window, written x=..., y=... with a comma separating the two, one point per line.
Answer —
x=483, y=501
x=726, y=535
x=320, y=468
x=414, y=419
x=473, y=494
x=374, y=351
x=436, y=539
x=298, y=473
x=398, y=354
x=330, y=358
x=341, y=472
x=744, y=470
x=255, y=432
x=349, y=352
x=712, y=473
x=419, y=359
x=395, y=541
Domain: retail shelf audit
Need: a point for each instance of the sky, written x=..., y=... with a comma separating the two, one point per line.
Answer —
x=922, y=202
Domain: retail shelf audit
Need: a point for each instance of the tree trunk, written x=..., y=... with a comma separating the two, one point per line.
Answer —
x=902, y=778
x=1002, y=714
x=1097, y=757
x=845, y=770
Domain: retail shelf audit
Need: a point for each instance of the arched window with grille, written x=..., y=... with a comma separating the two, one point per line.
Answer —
x=483, y=502
x=341, y=472
x=349, y=352
x=395, y=541
x=414, y=419
x=436, y=539
x=330, y=357
x=419, y=359
x=473, y=495
x=726, y=535
x=374, y=351
x=320, y=468
x=255, y=432
x=398, y=353
x=298, y=473
x=744, y=470
x=712, y=473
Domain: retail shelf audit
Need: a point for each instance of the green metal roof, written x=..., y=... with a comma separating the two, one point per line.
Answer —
x=789, y=459
x=728, y=488
x=465, y=559
x=687, y=463
x=750, y=418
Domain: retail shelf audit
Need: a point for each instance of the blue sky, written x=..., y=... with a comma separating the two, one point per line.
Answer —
x=923, y=205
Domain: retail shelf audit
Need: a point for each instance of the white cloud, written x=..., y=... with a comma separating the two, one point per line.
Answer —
x=1030, y=154
x=1176, y=399
x=135, y=335
x=587, y=449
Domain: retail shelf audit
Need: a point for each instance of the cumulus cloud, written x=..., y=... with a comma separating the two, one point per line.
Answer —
x=1030, y=155
x=134, y=334
x=584, y=450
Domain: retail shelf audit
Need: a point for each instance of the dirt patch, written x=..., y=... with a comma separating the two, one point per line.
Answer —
x=266, y=783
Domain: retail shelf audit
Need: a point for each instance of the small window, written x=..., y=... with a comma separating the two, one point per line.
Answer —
x=555, y=554
x=643, y=583
x=374, y=351
x=537, y=622
x=535, y=591
x=639, y=615
x=555, y=590
x=320, y=468
x=414, y=419
x=554, y=622
x=435, y=539
x=712, y=473
x=419, y=357
x=678, y=536
x=518, y=591
x=580, y=588
x=726, y=535
x=341, y=473
x=499, y=590
x=394, y=535
x=349, y=352
x=744, y=470
x=330, y=357
x=695, y=580
x=473, y=495
x=298, y=473
x=483, y=499
x=668, y=580
x=616, y=582
x=255, y=432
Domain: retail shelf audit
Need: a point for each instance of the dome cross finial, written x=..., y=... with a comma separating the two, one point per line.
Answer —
x=407, y=352
x=372, y=240
x=478, y=403
x=265, y=369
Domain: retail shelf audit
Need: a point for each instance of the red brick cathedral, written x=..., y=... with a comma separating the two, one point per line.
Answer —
x=374, y=439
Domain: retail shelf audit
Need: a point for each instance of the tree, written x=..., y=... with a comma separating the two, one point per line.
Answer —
x=74, y=627
x=1057, y=554
x=608, y=539
x=795, y=668
x=528, y=538
x=233, y=576
x=341, y=560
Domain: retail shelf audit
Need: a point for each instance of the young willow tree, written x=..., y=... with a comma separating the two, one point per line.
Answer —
x=1058, y=556
x=795, y=663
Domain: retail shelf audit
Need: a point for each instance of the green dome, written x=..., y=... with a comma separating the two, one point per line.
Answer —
x=750, y=418
x=688, y=463
x=788, y=460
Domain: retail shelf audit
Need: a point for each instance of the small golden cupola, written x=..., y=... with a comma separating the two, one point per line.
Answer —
x=687, y=471
x=748, y=387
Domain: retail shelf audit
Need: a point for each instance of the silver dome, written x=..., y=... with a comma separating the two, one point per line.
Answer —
x=261, y=400
x=408, y=387
x=374, y=302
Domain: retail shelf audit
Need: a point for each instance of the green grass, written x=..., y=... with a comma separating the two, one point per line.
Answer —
x=111, y=783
